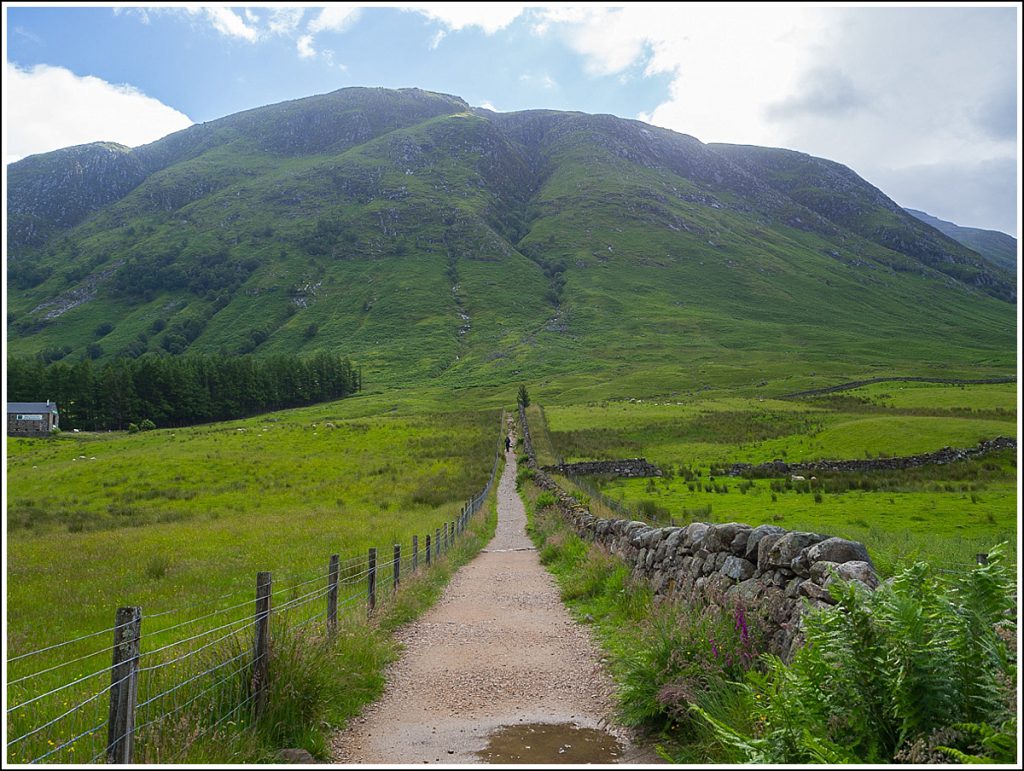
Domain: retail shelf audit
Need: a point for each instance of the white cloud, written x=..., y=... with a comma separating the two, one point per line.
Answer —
x=487, y=105
x=284, y=21
x=881, y=90
x=304, y=45
x=46, y=108
x=226, y=22
x=490, y=17
x=334, y=18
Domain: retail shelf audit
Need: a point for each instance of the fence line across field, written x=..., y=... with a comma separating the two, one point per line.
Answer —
x=370, y=577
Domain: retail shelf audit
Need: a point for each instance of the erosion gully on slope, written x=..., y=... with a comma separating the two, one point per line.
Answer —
x=497, y=671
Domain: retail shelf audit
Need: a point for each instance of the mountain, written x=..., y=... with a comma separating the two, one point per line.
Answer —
x=434, y=241
x=993, y=245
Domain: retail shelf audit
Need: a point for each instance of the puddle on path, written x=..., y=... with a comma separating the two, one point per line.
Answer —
x=548, y=743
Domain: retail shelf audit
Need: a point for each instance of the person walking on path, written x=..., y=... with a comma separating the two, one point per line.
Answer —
x=508, y=443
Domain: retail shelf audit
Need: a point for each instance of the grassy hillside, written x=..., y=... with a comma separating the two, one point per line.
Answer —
x=997, y=247
x=436, y=244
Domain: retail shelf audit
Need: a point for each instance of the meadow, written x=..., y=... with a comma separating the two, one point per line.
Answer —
x=946, y=514
x=179, y=522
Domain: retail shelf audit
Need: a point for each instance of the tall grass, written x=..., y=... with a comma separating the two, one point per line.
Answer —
x=196, y=579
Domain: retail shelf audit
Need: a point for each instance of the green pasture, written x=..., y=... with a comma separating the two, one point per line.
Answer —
x=945, y=514
x=164, y=517
x=179, y=522
x=712, y=430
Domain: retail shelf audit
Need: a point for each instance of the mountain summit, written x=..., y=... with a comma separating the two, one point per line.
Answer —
x=426, y=239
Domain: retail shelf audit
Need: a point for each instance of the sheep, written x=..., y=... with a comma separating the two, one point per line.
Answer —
x=797, y=478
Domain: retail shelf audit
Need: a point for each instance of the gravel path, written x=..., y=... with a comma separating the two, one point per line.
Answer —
x=498, y=649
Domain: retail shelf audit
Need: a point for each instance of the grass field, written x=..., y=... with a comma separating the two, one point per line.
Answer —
x=179, y=522
x=945, y=514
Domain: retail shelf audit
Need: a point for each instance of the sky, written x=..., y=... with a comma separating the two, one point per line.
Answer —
x=920, y=101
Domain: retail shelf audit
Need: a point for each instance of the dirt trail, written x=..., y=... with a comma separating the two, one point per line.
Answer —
x=498, y=649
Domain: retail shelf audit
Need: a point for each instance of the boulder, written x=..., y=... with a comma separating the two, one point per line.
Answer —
x=295, y=756
x=815, y=592
x=793, y=588
x=693, y=535
x=855, y=570
x=746, y=593
x=837, y=550
x=785, y=549
x=820, y=571
x=720, y=537
x=739, y=543
x=737, y=568
x=754, y=538
x=801, y=565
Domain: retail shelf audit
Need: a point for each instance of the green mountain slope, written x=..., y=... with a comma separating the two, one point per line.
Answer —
x=993, y=245
x=431, y=241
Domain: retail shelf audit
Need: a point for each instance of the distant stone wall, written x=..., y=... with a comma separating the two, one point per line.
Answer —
x=627, y=467
x=860, y=383
x=770, y=571
x=939, y=457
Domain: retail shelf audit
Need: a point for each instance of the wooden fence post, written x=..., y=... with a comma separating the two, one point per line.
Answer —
x=427, y=552
x=332, y=594
x=398, y=568
x=437, y=543
x=261, y=642
x=452, y=531
x=445, y=536
x=124, y=684
x=415, y=552
x=371, y=582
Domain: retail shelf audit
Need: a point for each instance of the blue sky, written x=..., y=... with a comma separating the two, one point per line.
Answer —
x=920, y=101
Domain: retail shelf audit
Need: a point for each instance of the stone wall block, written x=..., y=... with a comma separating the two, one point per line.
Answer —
x=815, y=592
x=739, y=544
x=737, y=568
x=694, y=535
x=785, y=549
x=754, y=539
x=856, y=570
x=764, y=546
x=793, y=587
x=837, y=550
x=821, y=570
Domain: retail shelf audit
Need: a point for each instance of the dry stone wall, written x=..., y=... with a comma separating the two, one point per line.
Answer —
x=940, y=457
x=627, y=467
x=769, y=570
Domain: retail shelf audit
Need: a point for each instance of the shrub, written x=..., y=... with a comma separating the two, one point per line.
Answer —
x=581, y=498
x=133, y=428
x=885, y=670
x=147, y=425
x=685, y=656
x=545, y=499
x=523, y=475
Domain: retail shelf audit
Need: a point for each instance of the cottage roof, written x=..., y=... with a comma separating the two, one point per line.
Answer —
x=31, y=407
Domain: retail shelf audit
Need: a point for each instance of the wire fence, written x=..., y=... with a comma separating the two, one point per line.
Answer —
x=129, y=692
